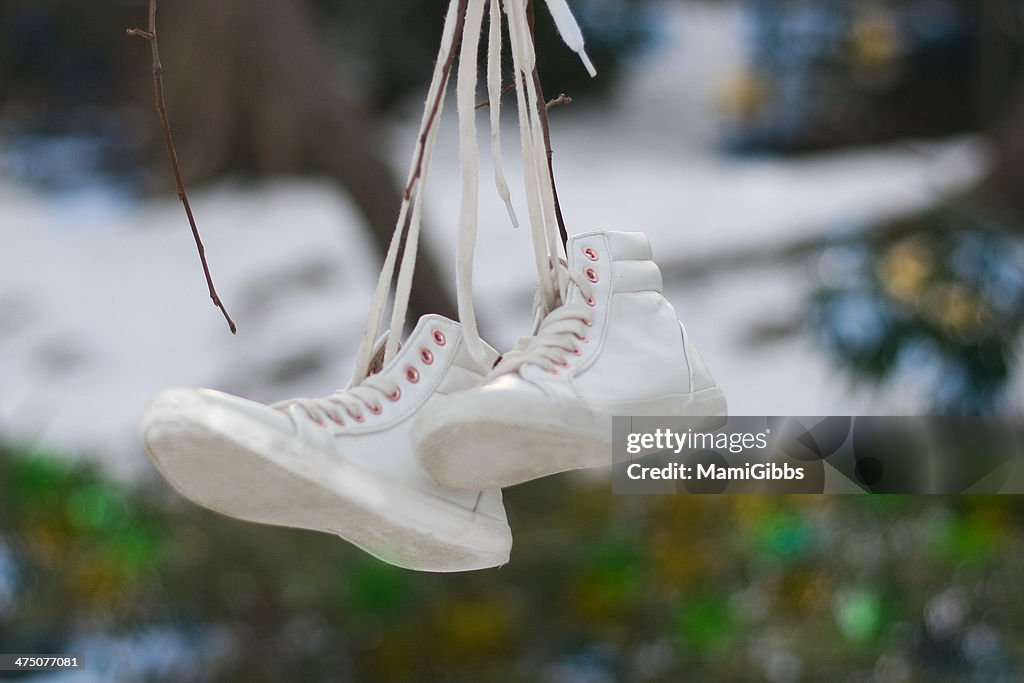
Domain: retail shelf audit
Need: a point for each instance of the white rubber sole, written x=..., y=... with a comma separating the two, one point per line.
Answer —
x=465, y=441
x=235, y=465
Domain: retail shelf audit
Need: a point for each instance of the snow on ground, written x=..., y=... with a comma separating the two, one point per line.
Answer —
x=103, y=304
x=101, y=308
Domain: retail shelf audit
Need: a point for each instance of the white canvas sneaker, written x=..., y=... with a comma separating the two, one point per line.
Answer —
x=614, y=347
x=342, y=464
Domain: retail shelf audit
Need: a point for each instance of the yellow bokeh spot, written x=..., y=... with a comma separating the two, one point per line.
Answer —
x=905, y=269
x=955, y=308
x=875, y=40
x=745, y=95
x=475, y=628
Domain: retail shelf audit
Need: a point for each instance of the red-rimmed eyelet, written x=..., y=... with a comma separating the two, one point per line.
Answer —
x=582, y=338
x=340, y=423
x=591, y=274
x=412, y=374
x=377, y=410
x=394, y=396
x=562, y=363
x=590, y=301
x=319, y=421
x=588, y=323
x=426, y=356
x=552, y=371
x=439, y=338
x=590, y=253
x=577, y=351
x=357, y=418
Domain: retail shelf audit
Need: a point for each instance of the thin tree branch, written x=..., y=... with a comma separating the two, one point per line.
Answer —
x=542, y=105
x=561, y=99
x=504, y=91
x=161, y=108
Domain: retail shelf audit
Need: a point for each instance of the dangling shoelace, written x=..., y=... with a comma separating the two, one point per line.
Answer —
x=537, y=173
x=465, y=18
x=365, y=391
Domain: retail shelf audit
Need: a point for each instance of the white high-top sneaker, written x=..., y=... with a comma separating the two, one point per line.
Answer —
x=615, y=347
x=342, y=464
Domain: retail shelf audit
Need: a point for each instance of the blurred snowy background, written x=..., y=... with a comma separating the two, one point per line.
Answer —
x=833, y=189
x=692, y=140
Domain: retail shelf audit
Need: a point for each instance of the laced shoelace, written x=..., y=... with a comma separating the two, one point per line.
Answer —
x=463, y=21
x=558, y=335
x=351, y=403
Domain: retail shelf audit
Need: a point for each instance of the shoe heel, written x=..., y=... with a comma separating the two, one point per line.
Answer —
x=709, y=408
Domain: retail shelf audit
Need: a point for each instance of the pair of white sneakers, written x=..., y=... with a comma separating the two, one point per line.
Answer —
x=408, y=463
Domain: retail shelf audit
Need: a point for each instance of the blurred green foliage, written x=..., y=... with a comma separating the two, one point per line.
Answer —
x=600, y=588
x=936, y=298
x=827, y=73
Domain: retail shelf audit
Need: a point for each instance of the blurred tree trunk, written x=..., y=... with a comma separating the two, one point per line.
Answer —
x=1000, y=82
x=251, y=88
x=1007, y=175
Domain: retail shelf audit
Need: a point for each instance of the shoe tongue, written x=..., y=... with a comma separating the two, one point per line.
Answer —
x=563, y=283
x=380, y=346
x=377, y=360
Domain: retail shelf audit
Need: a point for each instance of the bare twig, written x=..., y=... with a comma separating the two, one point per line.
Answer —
x=161, y=108
x=542, y=105
x=504, y=91
x=561, y=99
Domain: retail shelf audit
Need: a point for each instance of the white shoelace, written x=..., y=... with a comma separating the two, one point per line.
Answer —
x=570, y=31
x=558, y=336
x=351, y=403
x=537, y=173
x=494, y=87
x=411, y=204
x=465, y=248
x=364, y=391
x=538, y=182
